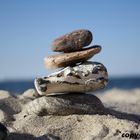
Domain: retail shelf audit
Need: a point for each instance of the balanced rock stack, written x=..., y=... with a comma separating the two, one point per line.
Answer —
x=64, y=89
x=78, y=75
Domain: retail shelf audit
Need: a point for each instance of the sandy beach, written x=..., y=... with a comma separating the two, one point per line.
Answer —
x=120, y=120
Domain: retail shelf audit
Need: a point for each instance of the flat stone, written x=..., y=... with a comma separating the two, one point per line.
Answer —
x=85, y=77
x=68, y=59
x=74, y=103
x=73, y=41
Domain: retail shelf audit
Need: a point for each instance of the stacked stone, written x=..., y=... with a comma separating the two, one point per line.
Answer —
x=78, y=74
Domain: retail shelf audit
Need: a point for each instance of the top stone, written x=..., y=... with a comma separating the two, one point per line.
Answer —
x=73, y=41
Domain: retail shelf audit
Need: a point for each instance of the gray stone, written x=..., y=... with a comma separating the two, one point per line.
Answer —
x=77, y=103
x=76, y=127
x=109, y=126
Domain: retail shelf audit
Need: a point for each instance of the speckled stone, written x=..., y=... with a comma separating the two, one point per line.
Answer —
x=73, y=41
x=85, y=77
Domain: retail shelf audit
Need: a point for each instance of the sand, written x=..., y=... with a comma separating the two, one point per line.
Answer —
x=120, y=121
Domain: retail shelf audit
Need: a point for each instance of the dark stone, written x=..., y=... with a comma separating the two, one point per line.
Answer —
x=3, y=132
x=73, y=41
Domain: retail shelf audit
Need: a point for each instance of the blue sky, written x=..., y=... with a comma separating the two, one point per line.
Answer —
x=27, y=28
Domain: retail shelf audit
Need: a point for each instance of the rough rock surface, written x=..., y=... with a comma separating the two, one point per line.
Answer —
x=77, y=127
x=73, y=41
x=68, y=59
x=11, y=103
x=112, y=125
x=74, y=103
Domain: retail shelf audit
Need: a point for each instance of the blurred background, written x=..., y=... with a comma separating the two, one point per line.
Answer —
x=28, y=27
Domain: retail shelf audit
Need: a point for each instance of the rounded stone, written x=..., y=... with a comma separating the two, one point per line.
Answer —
x=72, y=103
x=4, y=94
x=30, y=93
x=73, y=41
x=85, y=77
x=68, y=59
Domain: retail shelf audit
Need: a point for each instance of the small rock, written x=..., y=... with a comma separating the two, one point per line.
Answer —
x=2, y=116
x=73, y=41
x=68, y=59
x=85, y=77
x=4, y=94
x=64, y=105
x=10, y=105
x=30, y=93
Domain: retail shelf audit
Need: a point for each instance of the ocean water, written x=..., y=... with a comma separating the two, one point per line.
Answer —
x=19, y=86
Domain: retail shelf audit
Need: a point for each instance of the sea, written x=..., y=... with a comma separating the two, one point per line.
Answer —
x=20, y=86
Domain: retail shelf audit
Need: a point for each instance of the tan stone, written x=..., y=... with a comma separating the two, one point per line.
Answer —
x=4, y=94
x=68, y=59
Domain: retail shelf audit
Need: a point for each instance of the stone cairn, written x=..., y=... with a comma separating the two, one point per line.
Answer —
x=77, y=76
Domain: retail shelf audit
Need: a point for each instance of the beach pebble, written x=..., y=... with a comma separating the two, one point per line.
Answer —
x=68, y=59
x=63, y=105
x=30, y=93
x=73, y=41
x=38, y=123
x=85, y=77
x=4, y=94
